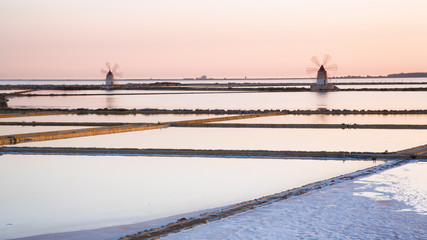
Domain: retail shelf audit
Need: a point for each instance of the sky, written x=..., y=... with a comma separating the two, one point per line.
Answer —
x=218, y=38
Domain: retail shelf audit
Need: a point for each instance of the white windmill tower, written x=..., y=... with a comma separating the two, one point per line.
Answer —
x=110, y=75
x=322, y=74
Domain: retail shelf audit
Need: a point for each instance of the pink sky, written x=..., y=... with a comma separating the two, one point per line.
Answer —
x=221, y=38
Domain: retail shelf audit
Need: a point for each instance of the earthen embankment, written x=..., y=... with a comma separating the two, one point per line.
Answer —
x=149, y=111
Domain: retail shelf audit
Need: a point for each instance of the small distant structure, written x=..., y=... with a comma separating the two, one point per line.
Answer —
x=110, y=76
x=322, y=83
x=203, y=77
x=3, y=100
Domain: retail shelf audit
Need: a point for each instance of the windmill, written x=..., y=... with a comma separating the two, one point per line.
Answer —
x=111, y=73
x=322, y=74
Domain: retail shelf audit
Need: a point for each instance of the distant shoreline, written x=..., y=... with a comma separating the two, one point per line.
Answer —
x=393, y=75
x=207, y=87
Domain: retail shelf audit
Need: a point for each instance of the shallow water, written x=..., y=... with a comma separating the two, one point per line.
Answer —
x=10, y=130
x=112, y=92
x=287, y=118
x=233, y=100
x=376, y=140
x=47, y=194
x=382, y=86
x=154, y=118
x=338, y=119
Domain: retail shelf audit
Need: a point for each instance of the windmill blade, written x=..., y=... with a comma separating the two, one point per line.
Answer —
x=118, y=74
x=103, y=71
x=315, y=60
x=116, y=66
x=108, y=66
x=332, y=67
x=311, y=70
x=326, y=59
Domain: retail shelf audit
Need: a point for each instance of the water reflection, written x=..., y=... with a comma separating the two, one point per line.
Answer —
x=322, y=104
x=322, y=100
x=110, y=101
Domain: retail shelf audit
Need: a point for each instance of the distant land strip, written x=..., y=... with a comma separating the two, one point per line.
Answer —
x=226, y=125
x=321, y=155
x=227, y=89
x=16, y=112
x=220, y=87
x=391, y=75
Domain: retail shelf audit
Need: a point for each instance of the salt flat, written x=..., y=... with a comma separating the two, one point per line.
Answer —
x=388, y=205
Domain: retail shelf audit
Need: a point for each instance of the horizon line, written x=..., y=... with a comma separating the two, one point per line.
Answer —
x=196, y=78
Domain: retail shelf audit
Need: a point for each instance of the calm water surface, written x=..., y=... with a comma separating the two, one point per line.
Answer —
x=10, y=130
x=111, y=92
x=376, y=140
x=383, y=86
x=154, y=118
x=338, y=119
x=46, y=194
x=256, y=100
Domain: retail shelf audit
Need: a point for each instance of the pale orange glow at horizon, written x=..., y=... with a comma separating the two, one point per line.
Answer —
x=189, y=38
